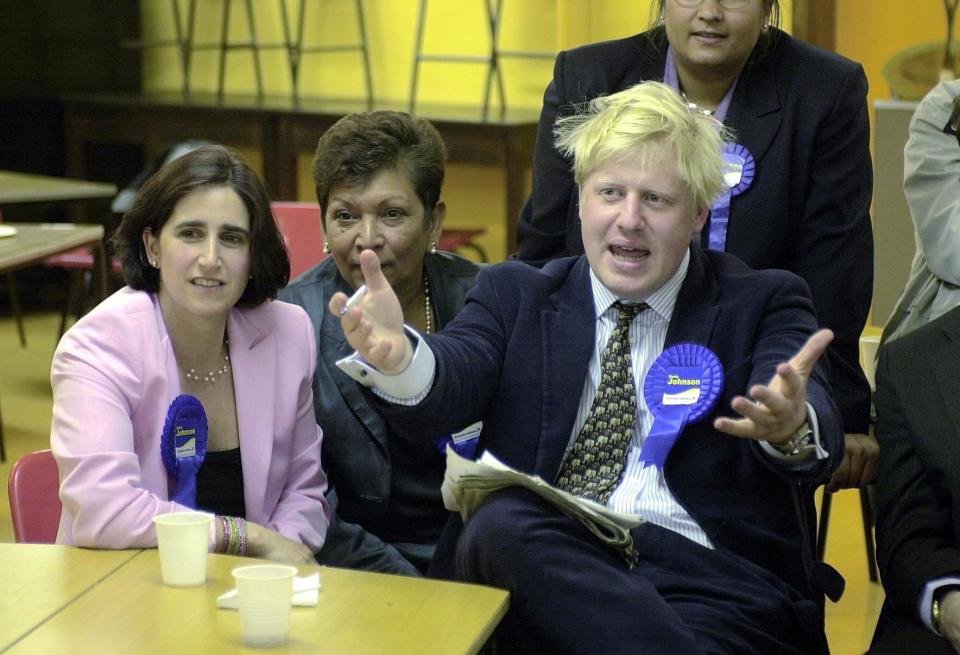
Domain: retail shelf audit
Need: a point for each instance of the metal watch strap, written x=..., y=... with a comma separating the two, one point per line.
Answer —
x=797, y=442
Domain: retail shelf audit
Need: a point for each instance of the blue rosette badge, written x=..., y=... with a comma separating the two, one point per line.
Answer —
x=682, y=386
x=739, y=169
x=183, y=445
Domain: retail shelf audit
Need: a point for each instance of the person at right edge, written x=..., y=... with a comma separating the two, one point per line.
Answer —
x=801, y=200
x=931, y=170
x=918, y=491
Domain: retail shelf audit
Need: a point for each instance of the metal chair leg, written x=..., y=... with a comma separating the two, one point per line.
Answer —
x=73, y=302
x=823, y=524
x=867, y=515
x=3, y=449
x=869, y=521
x=15, y=307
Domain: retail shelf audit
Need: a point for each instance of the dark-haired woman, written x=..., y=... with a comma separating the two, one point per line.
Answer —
x=202, y=258
x=378, y=177
x=800, y=190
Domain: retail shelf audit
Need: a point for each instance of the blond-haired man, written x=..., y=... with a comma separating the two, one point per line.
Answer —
x=556, y=361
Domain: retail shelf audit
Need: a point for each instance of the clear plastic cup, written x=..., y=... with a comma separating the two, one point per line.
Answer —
x=183, y=538
x=264, y=597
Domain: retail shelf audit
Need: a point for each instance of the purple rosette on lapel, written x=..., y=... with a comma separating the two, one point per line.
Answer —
x=739, y=169
x=683, y=384
x=183, y=445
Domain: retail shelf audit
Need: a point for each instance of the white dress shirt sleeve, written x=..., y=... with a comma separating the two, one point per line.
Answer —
x=408, y=387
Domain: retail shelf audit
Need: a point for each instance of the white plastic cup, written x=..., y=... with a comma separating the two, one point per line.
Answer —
x=183, y=538
x=264, y=597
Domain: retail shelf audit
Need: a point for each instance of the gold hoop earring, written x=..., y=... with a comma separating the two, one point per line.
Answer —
x=326, y=247
x=433, y=248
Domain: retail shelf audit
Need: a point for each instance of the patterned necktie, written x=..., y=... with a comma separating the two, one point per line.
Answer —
x=595, y=462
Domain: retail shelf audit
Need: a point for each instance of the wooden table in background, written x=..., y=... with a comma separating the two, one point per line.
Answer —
x=359, y=613
x=34, y=242
x=39, y=581
x=282, y=129
x=26, y=188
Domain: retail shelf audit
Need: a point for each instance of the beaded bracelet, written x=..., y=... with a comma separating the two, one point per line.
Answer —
x=241, y=537
x=234, y=536
x=224, y=546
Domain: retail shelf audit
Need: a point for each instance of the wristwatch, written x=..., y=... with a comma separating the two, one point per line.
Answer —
x=798, y=443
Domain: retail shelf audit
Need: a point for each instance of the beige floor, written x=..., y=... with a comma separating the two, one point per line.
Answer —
x=26, y=400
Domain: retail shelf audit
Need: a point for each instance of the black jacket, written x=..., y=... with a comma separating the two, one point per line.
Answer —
x=802, y=113
x=366, y=466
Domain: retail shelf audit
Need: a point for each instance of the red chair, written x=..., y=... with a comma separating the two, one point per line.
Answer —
x=454, y=240
x=34, y=492
x=79, y=263
x=302, y=231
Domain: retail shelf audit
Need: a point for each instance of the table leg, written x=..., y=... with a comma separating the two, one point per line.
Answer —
x=100, y=267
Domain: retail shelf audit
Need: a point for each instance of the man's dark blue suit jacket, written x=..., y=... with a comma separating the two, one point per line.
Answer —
x=516, y=357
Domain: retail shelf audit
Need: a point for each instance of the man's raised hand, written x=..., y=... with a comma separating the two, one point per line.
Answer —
x=374, y=325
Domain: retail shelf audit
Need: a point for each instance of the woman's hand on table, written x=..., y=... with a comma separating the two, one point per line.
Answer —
x=268, y=544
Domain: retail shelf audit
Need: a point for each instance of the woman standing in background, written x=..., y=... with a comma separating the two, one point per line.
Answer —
x=799, y=198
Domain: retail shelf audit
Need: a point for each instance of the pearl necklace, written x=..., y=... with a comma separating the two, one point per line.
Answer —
x=426, y=304
x=692, y=106
x=212, y=376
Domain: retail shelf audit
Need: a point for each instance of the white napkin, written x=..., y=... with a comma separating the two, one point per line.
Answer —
x=306, y=593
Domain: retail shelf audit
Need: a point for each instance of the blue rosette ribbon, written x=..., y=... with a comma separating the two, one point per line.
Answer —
x=183, y=445
x=682, y=386
x=464, y=442
x=739, y=169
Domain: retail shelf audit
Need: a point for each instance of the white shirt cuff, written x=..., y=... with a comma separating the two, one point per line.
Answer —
x=926, y=599
x=818, y=452
x=407, y=387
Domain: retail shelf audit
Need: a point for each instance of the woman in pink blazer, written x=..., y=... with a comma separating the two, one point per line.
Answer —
x=202, y=259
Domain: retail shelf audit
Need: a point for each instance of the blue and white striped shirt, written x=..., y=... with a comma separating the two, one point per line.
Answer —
x=642, y=490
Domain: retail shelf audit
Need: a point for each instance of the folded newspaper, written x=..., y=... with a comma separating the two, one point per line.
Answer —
x=467, y=484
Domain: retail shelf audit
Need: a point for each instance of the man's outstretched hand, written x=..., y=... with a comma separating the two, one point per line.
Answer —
x=774, y=411
x=374, y=325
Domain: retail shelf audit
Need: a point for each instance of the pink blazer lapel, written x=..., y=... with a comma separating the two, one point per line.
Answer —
x=162, y=387
x=252, y=355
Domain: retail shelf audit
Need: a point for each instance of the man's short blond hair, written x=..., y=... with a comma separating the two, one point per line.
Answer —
x=639, y=123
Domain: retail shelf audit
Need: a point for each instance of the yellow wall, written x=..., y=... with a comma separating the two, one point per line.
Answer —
x=453, y=27
x=872, y=35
